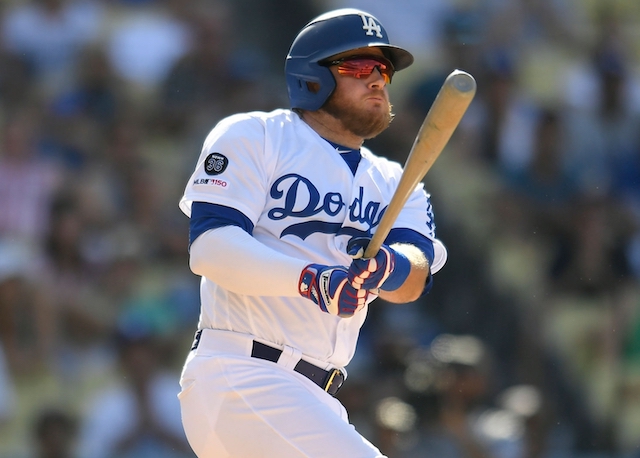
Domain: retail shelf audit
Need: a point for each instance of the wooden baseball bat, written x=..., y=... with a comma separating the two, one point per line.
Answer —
x=443, y=117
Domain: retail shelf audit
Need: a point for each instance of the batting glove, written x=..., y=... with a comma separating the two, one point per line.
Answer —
x=328, y=288
x=387, y=270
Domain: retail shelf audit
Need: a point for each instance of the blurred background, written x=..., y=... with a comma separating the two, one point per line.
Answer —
x=527, y=346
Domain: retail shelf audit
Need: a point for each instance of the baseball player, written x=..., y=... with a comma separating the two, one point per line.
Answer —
x=281, y=207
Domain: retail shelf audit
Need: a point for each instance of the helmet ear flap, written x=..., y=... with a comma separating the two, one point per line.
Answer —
x=308, y=89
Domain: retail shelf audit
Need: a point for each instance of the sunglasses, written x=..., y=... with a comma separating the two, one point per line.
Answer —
x=363, y=66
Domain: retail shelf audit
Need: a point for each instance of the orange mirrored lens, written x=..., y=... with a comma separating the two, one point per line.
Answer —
x=363, y=67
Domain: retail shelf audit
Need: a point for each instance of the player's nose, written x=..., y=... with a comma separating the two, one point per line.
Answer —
x=376, y=79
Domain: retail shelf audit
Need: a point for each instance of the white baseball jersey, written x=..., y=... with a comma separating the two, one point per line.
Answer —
x=304, y=202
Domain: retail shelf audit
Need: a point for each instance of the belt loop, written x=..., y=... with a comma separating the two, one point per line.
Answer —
x=289, y=357
x=196, y=340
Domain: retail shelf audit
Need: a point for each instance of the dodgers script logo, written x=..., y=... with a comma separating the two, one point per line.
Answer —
x=290, y=189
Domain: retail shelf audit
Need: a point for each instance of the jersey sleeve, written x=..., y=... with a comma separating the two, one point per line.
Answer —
x=232, y=169
x=401, y=235
x=206, y=216
x=417, y=213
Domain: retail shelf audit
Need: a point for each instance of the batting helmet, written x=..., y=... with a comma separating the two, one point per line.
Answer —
x=325, y=36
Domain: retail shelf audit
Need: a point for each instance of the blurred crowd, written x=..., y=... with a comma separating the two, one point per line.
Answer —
x=528, y=346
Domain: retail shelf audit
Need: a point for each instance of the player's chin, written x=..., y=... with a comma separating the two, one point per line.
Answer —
x=377, y=103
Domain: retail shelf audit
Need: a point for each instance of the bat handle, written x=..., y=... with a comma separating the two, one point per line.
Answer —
x=374, y=245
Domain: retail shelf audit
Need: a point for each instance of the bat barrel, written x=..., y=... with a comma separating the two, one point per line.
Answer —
x=447, y=110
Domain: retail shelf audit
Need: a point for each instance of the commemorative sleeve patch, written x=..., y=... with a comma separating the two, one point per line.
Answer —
x=215, y=164
x=211, y=182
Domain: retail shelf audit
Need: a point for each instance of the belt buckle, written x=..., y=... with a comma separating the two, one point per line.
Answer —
x=330, y=381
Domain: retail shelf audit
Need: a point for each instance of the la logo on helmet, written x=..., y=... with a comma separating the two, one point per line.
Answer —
x=369, y=24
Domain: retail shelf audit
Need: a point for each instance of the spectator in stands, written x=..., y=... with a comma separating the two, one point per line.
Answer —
x=139, y=416
x=54, y=434
x=51, y=35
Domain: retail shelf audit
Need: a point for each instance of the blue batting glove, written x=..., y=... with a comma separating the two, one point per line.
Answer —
x=387, y=270
x=329, y=288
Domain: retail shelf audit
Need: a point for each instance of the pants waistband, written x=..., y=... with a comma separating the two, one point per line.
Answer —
x=219, y=341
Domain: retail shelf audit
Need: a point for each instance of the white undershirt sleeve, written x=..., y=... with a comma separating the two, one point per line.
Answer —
x=236, y=261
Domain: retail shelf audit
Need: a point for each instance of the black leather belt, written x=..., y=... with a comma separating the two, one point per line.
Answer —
x=330, y=380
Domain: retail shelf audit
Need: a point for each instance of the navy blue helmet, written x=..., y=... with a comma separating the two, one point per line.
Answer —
x=325, y=36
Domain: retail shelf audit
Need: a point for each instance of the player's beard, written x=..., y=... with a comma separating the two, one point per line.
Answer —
x=363, y=123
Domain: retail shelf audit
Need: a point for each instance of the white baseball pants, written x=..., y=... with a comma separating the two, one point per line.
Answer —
x=237, y=406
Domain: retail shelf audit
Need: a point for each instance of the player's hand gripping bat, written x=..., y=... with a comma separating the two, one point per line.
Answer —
x=443, y=117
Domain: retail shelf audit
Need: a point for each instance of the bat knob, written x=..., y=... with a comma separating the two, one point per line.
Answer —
x=463, y=81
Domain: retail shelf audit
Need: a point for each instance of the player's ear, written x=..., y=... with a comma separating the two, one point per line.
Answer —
x=313, y=86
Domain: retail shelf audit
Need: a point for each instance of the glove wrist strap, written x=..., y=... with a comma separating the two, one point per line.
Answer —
x=399, y=274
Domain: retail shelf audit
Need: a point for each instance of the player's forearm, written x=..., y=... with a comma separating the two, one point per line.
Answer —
x=235, y=260
x=413, y=286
